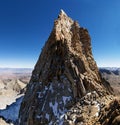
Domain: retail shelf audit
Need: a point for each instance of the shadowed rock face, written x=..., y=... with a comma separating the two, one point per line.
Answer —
x=65, y=71
x=111, y=114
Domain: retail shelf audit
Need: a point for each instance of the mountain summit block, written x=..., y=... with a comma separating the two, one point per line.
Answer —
x=64, y=78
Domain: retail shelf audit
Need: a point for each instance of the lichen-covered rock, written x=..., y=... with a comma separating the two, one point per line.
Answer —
x=64, y=73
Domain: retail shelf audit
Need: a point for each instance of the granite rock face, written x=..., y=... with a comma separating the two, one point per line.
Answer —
x=64, y=73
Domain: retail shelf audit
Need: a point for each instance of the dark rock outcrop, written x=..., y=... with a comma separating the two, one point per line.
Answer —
x=111, y=114
x=64, y=73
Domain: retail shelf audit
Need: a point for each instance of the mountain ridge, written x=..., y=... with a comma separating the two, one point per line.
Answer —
x=64, y=79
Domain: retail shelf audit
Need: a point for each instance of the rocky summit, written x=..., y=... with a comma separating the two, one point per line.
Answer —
x=66, y=87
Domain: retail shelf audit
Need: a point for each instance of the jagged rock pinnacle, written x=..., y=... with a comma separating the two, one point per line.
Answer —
x=62, y=12
x=65, y=72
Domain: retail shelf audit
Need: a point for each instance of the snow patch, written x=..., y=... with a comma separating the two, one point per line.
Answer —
x=51, y=88
x=62, y=116
x=54, y=108
x=88, y=94
x=61, y=122
x=39, y=95
x=46, y=88
x=51, y=123
x=62, y=112
x=32, y=86
x=98, y=107
x=62, y=11
x=69, y=90
x=47, y=116
x=38, y=116
x=66, y=99
x=42, y=93
x=12, y=111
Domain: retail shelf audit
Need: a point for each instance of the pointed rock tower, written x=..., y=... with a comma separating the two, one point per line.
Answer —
x=64, y=73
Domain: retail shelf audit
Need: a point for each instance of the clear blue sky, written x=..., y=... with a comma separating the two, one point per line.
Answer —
x=26, y=24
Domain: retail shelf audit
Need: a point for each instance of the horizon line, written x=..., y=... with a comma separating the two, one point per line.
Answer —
x=33, y=67
x=16, y=68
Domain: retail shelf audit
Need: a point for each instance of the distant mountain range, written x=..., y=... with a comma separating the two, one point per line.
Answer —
x=24, y=70
x=110, y=70
x=15, y=70
x=112, y=75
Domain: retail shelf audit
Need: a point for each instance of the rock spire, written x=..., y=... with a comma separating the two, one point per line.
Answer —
x=64, y=73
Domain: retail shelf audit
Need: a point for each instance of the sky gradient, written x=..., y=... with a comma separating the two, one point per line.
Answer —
x=25, y=25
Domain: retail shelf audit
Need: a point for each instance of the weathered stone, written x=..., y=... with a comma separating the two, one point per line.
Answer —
x=116, y=120
x=111, y=114
x=65, y=72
